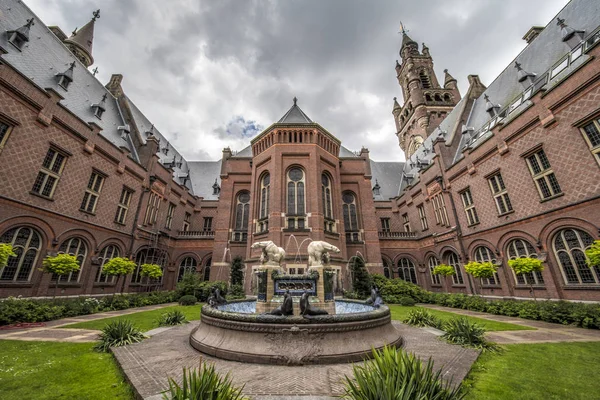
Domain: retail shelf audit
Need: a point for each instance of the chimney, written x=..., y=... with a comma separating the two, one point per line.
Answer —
x=532, y=33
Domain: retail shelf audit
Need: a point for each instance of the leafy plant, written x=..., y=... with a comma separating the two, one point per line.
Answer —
x=394, y=374
x=592, y=254
x=393, y=290
x=236, y=292
x=6, y=251
x=172, y=318
x=118, y=266
x=152, y=271
x=361, y=280
x=188, y=300
x=118, y=333
x=406, y=301
x=526, y=265
x=444, y=270
x=237, y=271
x=421, y=317
x=203, y=384
x=60, y=264
x=466, y=333
x=481, y=270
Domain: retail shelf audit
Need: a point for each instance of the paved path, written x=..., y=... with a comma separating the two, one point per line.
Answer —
x=544, y=332
x=52, y=331
x=148, y=364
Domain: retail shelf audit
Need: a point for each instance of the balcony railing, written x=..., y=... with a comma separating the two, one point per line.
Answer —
x=397, y=235
x=196, y=234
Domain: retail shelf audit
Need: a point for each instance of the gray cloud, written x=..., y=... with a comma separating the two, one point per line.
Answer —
x=193, y=67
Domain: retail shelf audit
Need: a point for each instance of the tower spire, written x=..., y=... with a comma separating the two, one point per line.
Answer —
x=81, y=40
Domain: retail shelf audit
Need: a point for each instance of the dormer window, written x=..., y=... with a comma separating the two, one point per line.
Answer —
x=165, y=149
x=20, y=36
x=65, y=78
x=184, y=178
x=150, y=131
x=376, y=189
x=216, y=188
x=124, y=131
x=179, y=163
x=569, y=35
x=99, y=108
x=490, y=108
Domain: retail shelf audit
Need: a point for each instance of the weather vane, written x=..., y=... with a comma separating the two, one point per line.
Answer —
x=402, y=28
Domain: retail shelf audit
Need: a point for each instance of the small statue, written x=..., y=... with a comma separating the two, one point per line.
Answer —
x=286, y=308
x=375, y=300
x=215, y=299
x=318, y=253
x=270, y=254
x=306, y=309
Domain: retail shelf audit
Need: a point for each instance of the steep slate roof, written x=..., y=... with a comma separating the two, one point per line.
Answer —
x=84, y=37
x=203, y=175
x=295, y=116
x=44, y=56
x=386, y=174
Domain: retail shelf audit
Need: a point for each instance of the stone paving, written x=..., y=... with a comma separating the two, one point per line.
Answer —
x=52, y=331
x=148, y=364
x=544, y=332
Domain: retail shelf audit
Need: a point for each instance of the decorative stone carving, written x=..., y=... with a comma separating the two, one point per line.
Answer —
x=295, y=346
x=287, y=307
x=271, y=253
x=318, y=253
x=215, y=298
x=375, y=300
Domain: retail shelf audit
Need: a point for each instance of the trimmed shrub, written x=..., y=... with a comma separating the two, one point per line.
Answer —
x=421, y=317
x=172, y=318
x=192, y=284
x=236, y=292
x=237, y=271
x=395, y=374
x=118, y=333
x=393, y=289
x=406, y=301
x=188, y=300
x=361, y=280
x=203, y=384
x=462, y=331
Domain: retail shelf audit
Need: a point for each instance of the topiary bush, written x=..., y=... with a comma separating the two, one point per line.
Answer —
x=395, y=374
x=188, y=300
x=118, y=333
x=361, y=280
x=406, y=301
x=205, y=383
x=466, y=333
x=172, y=318
x=392, y=290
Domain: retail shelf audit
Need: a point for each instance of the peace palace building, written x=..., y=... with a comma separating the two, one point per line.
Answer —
x=503, y=171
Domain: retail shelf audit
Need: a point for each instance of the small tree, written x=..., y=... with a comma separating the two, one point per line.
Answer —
x=237, y=271
x=152, y=271
x=119, y=266
x=526, y=265
x=592, y=254
x=481, y=270
x=60, y=264
x=361, y=280
x=444, y=270
x=6, y=251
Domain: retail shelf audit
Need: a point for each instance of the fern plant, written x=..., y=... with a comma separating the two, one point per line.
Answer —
x=421, y=317
x=466, y=333
x=203, y=384
x=172, y=318
x=393, y=374
x=118, y=333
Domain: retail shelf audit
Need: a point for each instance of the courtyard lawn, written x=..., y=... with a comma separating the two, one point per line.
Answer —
x=144, y=320
x=50, y=370
x=545, y=371
x=401, y=312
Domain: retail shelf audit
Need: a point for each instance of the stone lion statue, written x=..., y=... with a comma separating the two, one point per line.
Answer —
x=271, y=253
x=318, y=251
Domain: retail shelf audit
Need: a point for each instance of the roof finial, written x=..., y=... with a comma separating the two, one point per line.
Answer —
x=446, y=71
x=402, y=28
x=561, y=22
x=96, y=15
x=74, y=32
x=517, y=66
x=295, y=100
x=104, y=97
x=72, y=65
x=95, y=71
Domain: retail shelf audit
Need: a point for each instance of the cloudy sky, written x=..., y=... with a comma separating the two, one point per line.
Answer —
x=211, y=74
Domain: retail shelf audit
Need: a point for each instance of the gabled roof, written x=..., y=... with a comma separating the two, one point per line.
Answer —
x=386, y=174
x=295, y=116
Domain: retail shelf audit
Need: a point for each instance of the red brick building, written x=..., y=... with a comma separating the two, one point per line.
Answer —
x=504, y=171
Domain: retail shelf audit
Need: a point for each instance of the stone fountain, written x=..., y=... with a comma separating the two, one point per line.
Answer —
x=295, y=319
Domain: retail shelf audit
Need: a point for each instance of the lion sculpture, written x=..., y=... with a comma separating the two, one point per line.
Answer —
x=271, y=253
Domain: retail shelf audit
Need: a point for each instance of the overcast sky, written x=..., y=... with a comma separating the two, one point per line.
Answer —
x=211, y=74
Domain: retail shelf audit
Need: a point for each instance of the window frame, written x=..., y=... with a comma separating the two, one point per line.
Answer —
x=385, y=224
x=241, y=221
x=469, y=206
x=482, y=254
x=458, y=278
x=6, y=134
x=187, y=218
x=123, y=206
x=152, y=208
x=433, y=262
x=295, y=216
x=595, y=123
x=577, y=268
x=67, y=243
x=529, y=251
x=262, y=224
x=26, y=248
x=351, y=224
x=543, y=175
x=170, y=214
x=423, y=217
x=116, y=252
x=92, y=192
x=405, y=265
x=500, y=193
x=207, y=224
x=47, y=170
x=406, y=223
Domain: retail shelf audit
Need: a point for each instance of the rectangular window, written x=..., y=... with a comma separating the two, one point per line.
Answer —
x=542, y=174
x=90, y=198
x=423, y=217
x=152, y=209
x=500, y=194
x=467, y=200
x=591, y=133
x=186, y=222
x=207, y=224
x=439, y=208
x=48, y=176
x=170, y=212
x=123, y=206
x=385, y=224
x=406, y=223
x=4, y=132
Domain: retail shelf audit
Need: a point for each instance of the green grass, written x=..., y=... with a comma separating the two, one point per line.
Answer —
x=144, y=320
x=401, y=312
x=50, y=370
x=546, y=371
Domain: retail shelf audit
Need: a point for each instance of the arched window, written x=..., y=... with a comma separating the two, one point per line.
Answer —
x=484, y=254
x=569, y=248
x=295, y=199
x=425, y=82
x=75, y=247
x=242, y=211
x=406, y=270
x=519, y=248
x=437, y=97
x=188, y=264
x=26, y=244
x=350, y=217
x=457, y=278
x=265, y=186
x=207, y=269
x=447, y=97
x=326, y=198
x=110, y=251
x=387, y=271
x=428, y=97
x=434, y=262
x=149, y=256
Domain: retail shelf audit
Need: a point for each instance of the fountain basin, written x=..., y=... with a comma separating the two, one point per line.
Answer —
x=234, y=332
